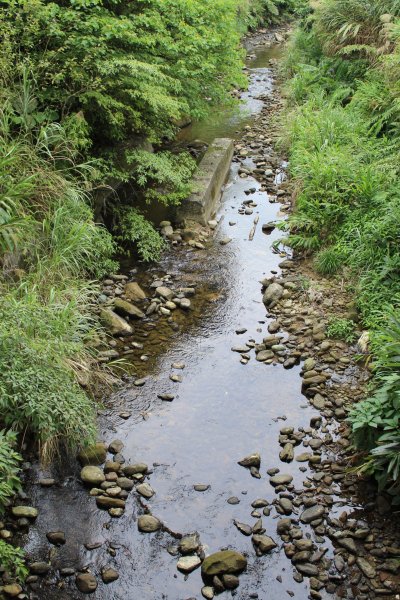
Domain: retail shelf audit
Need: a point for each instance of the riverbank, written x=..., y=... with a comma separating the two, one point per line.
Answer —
x=234, y=389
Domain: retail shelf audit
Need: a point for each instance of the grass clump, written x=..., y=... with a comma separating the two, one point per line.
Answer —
x=343, y=139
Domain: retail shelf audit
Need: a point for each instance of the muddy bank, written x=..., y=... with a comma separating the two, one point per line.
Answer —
x=252, y=375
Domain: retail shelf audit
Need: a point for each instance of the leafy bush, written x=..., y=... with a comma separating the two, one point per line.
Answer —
x=12, y=560
x=9, y=469
x=342, y=329
x=133, y=228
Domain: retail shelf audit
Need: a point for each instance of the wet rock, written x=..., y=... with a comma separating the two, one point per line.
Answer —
x=201, y=487
x=347, y=543
x=283, y=526
x=233, y=500
x=225, y=241
x=189, y=544
x=148, y=524
x=108, y=574
x=264, y=355
x=312, y=514
x=93, y=476
x=125, y=308
x=268, y=227
x=145, y=490
x=24, y=512
x=231, y=582
x=185, y=304
x=263, y=543
x=115, y=446
x=225, y=561
x=165, y=292
x=243, y=528
x=366, y=567
x=130, y=470
x=93, y=455
x=125, y=483
x=114, y=324
x=39, y=568
x=109, y=502
x=166, y=397
x=307, y=569
x=12, y=590
x=287, y=453
x=46, y=482
x=259, y=503
x=272, y=295
x=134, y=292
x=56, y=537
x=281, y=479
x=252, y=460
x=86, y=583
x=286, y=505
x=187, y=564
x=176, y=378
x=240, y=349
x=207, y=592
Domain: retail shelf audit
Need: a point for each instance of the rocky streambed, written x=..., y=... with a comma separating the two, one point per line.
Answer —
x=223, y=466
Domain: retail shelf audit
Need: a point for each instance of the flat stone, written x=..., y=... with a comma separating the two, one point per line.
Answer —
x=125, y=483
x=39, y=568
x=46, y=482
x=109, y=502
x=165, y=292
x=201, y=487
x=281, y=479
x=148, y=524
x=189, y=544
x=187, y=564
x=134, y=292
x=243, y=528
x=12, y=590
x=233, y=500
x=225, y=561
x=86, y=583
x=114, y=324
x=307, y=569
x=366, y=567
x=56, y=537
x=145, y=490
x=263, y=543
x=132, y=469
x=24, y=512
x=166, y=397
x=124, y=308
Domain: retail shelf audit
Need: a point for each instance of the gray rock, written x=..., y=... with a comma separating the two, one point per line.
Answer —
x=56, y=537
x=243, y=528
x=225, y=561
x=145, y=490
x=189, y=544
x=134, y=292
x=92, y=475
x=24, y=512
x=263, y=543
x=86, y=583
x=114, y=324
x=187, y=564
x=108, y=574
x=312, y=514
x=281, y=479
x=148, y=524
x=165, y=292
x=272, y=295
x=252, y=460
x=125, y=308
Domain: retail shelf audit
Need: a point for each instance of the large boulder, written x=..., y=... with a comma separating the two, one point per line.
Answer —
x=272, y=294
x=93, y=455
x=225, y=561
x=134, y=292
x=114, y=324
x=124, y=308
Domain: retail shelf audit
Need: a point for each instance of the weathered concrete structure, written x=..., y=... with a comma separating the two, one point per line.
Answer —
x=207, y=183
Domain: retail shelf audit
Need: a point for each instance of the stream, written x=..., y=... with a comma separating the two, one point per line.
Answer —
x=223, y=410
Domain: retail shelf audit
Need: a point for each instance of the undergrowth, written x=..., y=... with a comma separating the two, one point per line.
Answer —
x=342, y=133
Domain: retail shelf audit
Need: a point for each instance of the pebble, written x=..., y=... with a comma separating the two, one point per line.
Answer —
x=201, y=487
x=187, y=564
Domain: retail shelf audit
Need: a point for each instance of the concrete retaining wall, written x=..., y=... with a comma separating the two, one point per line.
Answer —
x=207, y=183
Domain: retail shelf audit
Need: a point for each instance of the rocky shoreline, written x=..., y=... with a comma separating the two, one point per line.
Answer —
x=339, y=549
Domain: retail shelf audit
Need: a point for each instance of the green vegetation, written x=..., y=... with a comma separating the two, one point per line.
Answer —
x=91, y=91
x=342, y=329
x=344, y=144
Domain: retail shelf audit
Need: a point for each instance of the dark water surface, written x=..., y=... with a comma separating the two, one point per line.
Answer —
x=223, y=411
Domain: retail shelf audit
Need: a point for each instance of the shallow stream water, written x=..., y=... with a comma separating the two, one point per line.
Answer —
x=223, y=410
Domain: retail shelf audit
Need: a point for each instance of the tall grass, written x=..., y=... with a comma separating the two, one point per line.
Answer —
x=343, y=138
